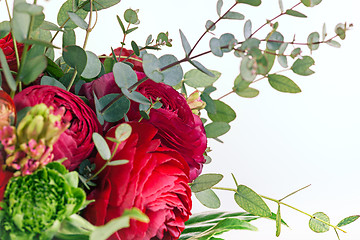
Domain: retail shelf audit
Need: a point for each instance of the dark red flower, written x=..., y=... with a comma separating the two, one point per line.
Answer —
x=76, y=142
x=134, y=60
x=4, y=179
x=155, y=180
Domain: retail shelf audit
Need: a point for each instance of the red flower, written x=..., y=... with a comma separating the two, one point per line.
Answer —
x=155, y=180
x=4, y=179
x=76, y=142
x=7, y=46
x=178, y=128
x=134, y=60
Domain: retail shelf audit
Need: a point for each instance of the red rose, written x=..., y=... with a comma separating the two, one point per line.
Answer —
x=178, y=128
x=155, y=180
x=134, y=60
x=7, y=45
x=76, y=142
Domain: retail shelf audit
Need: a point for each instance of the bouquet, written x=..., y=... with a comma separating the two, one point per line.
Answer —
x=113, y=146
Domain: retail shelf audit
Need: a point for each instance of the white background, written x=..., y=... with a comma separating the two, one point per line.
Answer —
x=279, y=142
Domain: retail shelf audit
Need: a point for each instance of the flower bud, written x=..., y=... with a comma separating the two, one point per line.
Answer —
x=195, y=103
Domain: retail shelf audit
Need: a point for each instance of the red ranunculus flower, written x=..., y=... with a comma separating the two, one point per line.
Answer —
x=155, y=180
x=7, y=45
x=4, y=179
x=134, y=60
x=178, y=128
x=76, y=142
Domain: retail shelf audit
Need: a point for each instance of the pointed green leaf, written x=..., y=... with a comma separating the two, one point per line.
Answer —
x=216, y=129
x=302, y=66
x=283, y=83
x=131, y=30
x=208, y=198
x=185, y=43
x=247, y=29
x=251, y=202
x=32, y=69
x=324, y=33
x=196, y=79
x=201, y=68
x=121, y=24
x=250, y=2
x=135, y=48
x=100, y=4
x=219, y=5
x=224, y=113
x=295, y=13
x=20, y=23
x=117, y=162
x=318, y=226
x=248, y=92
x=348, y=220
x=101, y=146
x=8, y=76
x=78, y=20
x=333, y=43
x=205, y=181
x=234, y=16
x=46, y=80
x=278, y=222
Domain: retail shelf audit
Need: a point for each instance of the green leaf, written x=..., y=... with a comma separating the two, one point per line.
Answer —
x=4, y=29
x=208, y=198
x=63, y=18
x=131, y=16
x=234, y=16
x=136, y=96
x=283, y=83
x=295, y=13
x=216, y=129
x=20, y=23
x=8, y=76
x=185, y=43
x=348, y=220
x=281, y=6
x=275, y=40
x=117, y=110
x=46, y=80
x=201, y=67
x=135, y=48
x=93, y=66
x=313, y=41
x=123, y=132
x=173, y=75
x=318, y=226
x=251, y=202
x=117, y=162
x=98, y=108
x=50, y=26
x=240, y=84
x=131, y=30
x=40, y=42
x=124, y=75
x=78, y=20
x=219, y=5
x=247, y=29
x=205, y=181
x=215, y=47
x=278, y=222
x=296, y=52
x=248, y=69
x=196, y=79
x=210, y=106
x=248, y=92
x=69, y=37
x=333, y=43
x=250, y=2
x=152, y=67
x=100, y=4
x=227, y=42
x=340, y=30
x=210, y=26
x=324, y=33
x=224, y=113
x=283, y=61
x=53, y=69
x=311, y=3
x=109, y=64
x=265, y=64
x=121, y=24
x=105, y=231
x=302, y=66
x=101, y=146
x=32, y=69
x=30, y=9
x=75, y=57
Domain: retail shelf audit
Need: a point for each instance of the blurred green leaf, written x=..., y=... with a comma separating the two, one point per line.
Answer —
x=205, y=181
x=208, y=198
x=63, y=18
x=69, y=37
x=248, y=68
x=283, y=83
x=340, y=30
x=20, y=23
x=100, y=4
x=248, y=92
x=123, y=132
x=93, y=66
x=78, y=20
x=302, y=66
x=265, y=64
x=348, y=220
x=101, y=146
x=278, y=222
x=333, y=43
x=118, y=162
x=216, y=129
x=316, y=225
x=8, y=76
x=196, y=79
x=50, y=26
x=251, y=202
x=224, y=113
x=247, y=29
x=75, y=57
x=295, y=13
x=30, y=9
x=219, y=5
x=53, y=69
x=32, y=69
x=210, y=106
x=4, y=28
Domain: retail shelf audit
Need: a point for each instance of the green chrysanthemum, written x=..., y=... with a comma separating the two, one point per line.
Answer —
x=36, y=204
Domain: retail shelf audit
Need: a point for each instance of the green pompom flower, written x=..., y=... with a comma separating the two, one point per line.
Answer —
x=35, y=205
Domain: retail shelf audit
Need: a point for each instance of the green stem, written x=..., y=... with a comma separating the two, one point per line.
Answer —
x=72, y=80
x=89, y=28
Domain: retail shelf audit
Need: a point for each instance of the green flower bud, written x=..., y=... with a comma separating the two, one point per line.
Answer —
x=35, y=205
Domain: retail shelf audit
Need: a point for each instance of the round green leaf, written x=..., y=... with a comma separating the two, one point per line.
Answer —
x=196, y=79
x=248, y=92
x=208, y=198
x=131, y=16
x=124, y=75
x=216, y=129
x=205, y=181
x=93, y=66
x=301, y=66
x=117, y=110
x=46, y=80
x=275, y=40
x=75, y=57
x=224, y=113
x=248, y=69
x=101, y=146
x=215, y=47
x=210, y=26
x=123, y=132
x=173, y=75
x=283, y=83
x=318, y=226
x=313, y=41
x=63, y=16
x=152, y=67
x=251, y=202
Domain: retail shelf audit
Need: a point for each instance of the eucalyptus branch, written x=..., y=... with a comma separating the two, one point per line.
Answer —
x=72, y=80
x=211, y=26
x=269, y=21
x=123, y=41
x=89, y=28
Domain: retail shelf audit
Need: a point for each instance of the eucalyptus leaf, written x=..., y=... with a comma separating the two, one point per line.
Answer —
x=8, y=76
x=173, y=75
x=63, y=18
x=295, y=13
x=123, y=132
x=4, y=29
x=69, y=37
x=313, y=41
x=248, y=69
x=201, y=67
x=131, y=16
x=208, y=198
x=333, y=43
x=275, y=40
x=247, y=29
x=124, y=75
x=348, y=220
x=216, y=129
x=20, y=22
x=78, y=20
x=152, y=66
x=205, y=181
x=100, y=4
x=224, y=113
x=283, y=83
x=50, y=26
x=75, y=57
x=196, y=79
x=185, y=43
x=136, y=96
x=234, y=16
x=93, y=66
x=278, y=222
x=340, y=30
x=101, y=146
x=219, y=5
x=215, y=47
x=32, y=69
x=316, y=225
x=248, y=92
x=250, y=2
x=251, y=202
x=210, y=25
x=118, y=162
x=46, y=80
x=135, y=48
x=311, y=3
x=117, y=110
x=283, y=61
x=302, y=66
